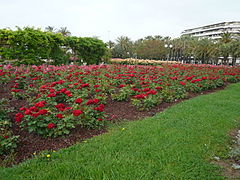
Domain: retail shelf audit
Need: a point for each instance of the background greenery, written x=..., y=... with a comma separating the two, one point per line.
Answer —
x=185, y=48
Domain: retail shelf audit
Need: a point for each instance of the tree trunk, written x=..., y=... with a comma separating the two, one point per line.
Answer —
x=234, y=59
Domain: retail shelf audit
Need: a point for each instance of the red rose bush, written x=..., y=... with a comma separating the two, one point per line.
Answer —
x=61, y=98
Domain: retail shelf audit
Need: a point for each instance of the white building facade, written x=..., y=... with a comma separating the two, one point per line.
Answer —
x=214, y=31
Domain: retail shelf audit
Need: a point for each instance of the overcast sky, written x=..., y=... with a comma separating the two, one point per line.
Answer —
x=109, y=19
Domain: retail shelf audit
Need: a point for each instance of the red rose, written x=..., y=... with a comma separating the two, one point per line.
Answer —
x=153, y=92
x=99, y=108
x=63, y=90
x=51, y=95
x=16, y=90
x=189, y=78
x=96, y=86
x=182, y=83
x=51, y=125
x=18, y=117
x=43, y=86
x=77, y=112
x=40, y=104
x=28, y=112
x=98, y=90
x=52, y=90
x=43, y=111
x=159, y=87
x=60, y=107
x=121, y=86
x=35, y=115
x=67, y=108
x=173, y=78
x=78, y=100
x=136, y=89
x=85, y=85
x=67, y=92
x=60, y=116
x=140, y=96
x=23, y=109
x=95, y=101
x=92, y=101
x=146, y=89
x=34, y=109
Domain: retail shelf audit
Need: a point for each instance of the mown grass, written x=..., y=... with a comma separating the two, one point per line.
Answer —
x=178, y=143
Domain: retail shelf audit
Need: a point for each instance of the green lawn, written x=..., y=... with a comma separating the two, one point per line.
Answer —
x=178, y=143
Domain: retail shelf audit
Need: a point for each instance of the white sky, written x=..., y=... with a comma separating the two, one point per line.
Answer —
x=109, y=19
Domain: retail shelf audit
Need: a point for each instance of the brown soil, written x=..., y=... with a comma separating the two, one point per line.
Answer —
x=227, y=170
x=119, y=111
x=226, y=164
x=29, y=143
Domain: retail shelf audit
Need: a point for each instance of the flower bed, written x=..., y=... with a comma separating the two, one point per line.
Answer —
x=60, y=98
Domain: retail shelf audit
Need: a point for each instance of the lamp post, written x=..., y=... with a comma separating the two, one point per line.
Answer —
x=169, y=47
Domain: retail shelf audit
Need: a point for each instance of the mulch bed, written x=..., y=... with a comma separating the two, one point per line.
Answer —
x=29, y=143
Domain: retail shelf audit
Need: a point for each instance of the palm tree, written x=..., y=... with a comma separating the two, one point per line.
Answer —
x=235, y=51
x=64, y=31
x=226, y=37
x=50, y=29
x=110, y=44
x=183, y=47
x=224, y=46
x=124, y=47
x=149, y=38
x=205, y=51
x=158, y=37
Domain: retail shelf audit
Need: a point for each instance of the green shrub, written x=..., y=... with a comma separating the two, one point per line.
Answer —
x=33, y=46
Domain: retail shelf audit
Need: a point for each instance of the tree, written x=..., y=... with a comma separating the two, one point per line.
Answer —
x=110, y=44
x=33, y=46
x=64, y=31
x=50, y=29
x=90, y=50
x=205, y=51
x=235, y=51
x=226, y=37
x=225, y=46
x=123, y=47
x=183, y=48
x=150, y=48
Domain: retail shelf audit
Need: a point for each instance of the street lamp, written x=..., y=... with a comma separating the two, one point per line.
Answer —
x=169, y=47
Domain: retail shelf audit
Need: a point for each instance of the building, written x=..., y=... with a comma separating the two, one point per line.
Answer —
x=214, y=31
